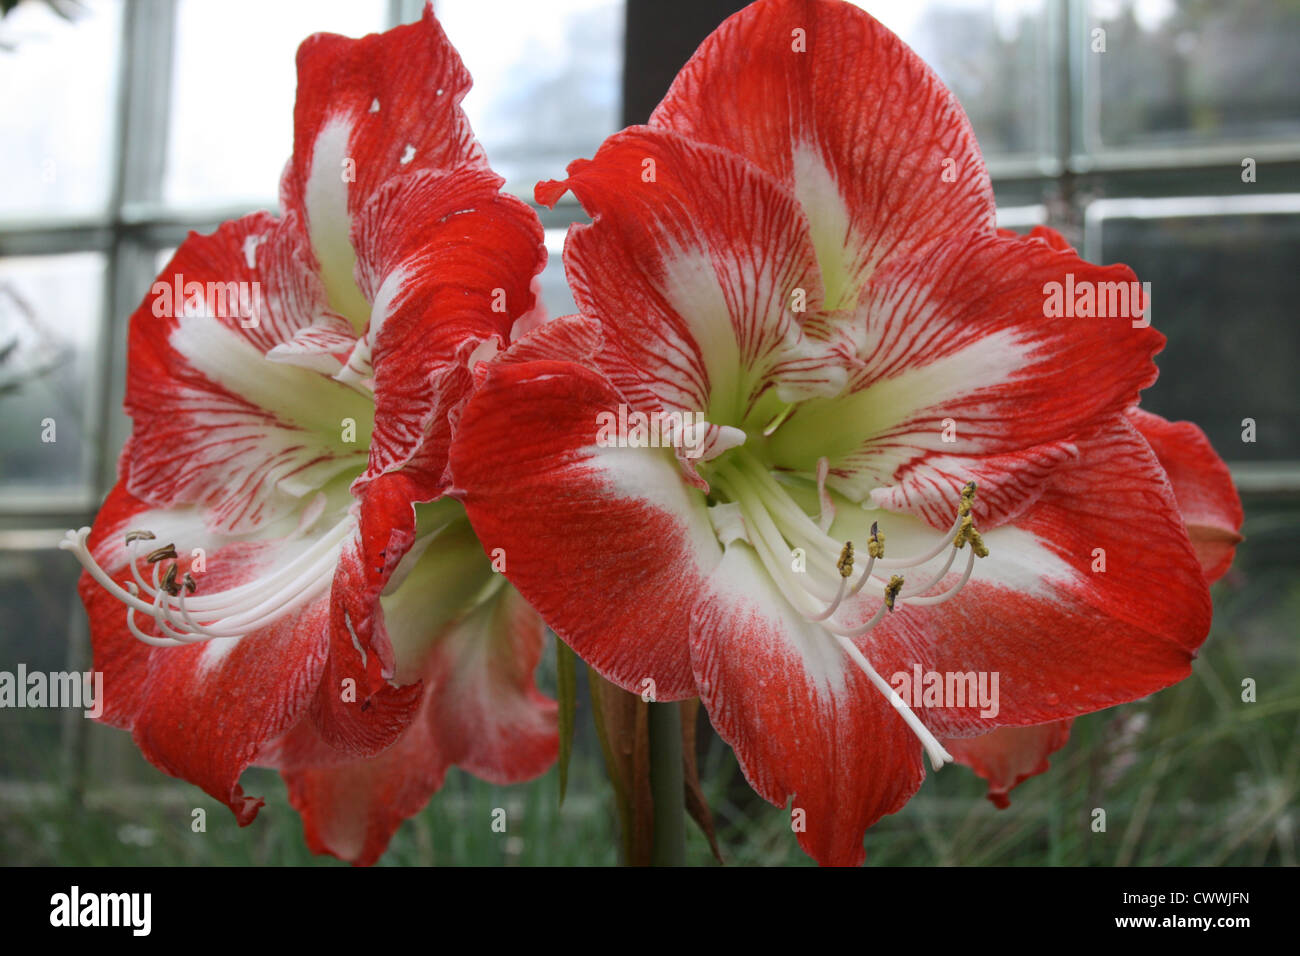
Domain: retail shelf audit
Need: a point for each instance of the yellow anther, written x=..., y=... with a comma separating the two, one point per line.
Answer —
x=963, y=531
x=876, y=543
x=967, y=498
x=891, y=590
x=845, y=563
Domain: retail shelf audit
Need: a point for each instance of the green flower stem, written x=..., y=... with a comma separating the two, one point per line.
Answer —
x=667, y=785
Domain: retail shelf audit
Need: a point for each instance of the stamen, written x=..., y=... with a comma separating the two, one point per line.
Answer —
x=227, y=614
x=775, y=523
x=160, y=554
x=891, y=590
x=938, y=755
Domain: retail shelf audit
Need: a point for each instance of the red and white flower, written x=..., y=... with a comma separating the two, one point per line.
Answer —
x=277, y=577
x=780, y=251
x=1212, y=515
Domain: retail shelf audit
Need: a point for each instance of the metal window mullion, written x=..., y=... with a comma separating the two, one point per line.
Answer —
x=144, y=97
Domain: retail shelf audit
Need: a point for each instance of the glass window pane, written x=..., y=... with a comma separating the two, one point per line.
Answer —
x=59, y=78
x=49, y=319
x=547, y=80
x=1223, y=289
x=38, y=592
x=233, y=85
x=1185, y=71
x=555, y=288
x=993, y=55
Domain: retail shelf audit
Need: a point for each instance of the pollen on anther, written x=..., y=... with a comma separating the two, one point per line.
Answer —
x=891, y=590
x=967, y=499
x=876, y=542
x=139, y=535
x=845, y=563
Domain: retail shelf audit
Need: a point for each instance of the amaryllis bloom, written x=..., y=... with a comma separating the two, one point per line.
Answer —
x=277, y=577
x=854, y=444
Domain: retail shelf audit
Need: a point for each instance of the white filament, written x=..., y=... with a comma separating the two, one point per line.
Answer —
x=235, y=612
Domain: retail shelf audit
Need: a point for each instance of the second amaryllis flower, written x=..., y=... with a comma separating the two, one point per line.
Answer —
x=278, y=578
x=864, y=358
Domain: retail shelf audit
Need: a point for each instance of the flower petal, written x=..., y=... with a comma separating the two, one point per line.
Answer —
x=351, y=808
x=201, y=712
x=479, y=709
x=693, y=265
x=535, y=483
x=367, y=111
x=1010, y=755
x=357, y=708
x=964, y=375
x=1092, y=598
x=1202, y=484
x=217, y=422
x=833, y=104
x=448, y=263
x=804, y=722
x=489, y=716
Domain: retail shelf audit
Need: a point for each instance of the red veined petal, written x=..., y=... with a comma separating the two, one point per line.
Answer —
x=1009, y=756
x=1202, y=485
x=807, y=726
x=352, y=807
x=448, y=263
x=201, y=712
x=369, y=111
x=488, y=714
x=608, y=544
x=210, y=707
x=693, y=265
x=1063, y=636
x=963, y=376
x=822, y=96
x=218, y=422
x=480, y=710
x=356, y=708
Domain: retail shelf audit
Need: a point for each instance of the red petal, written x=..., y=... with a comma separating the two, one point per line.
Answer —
x=1010, y=755
x=856, y=125
x=369, y=111
x=210, y=708
x=804, y=722
x=356, y=710
x=693, y=275
x=1064, y=639
x=479, y=710
x=201, y=712
x=1203, y=486
x=957, y=346
x=619, y=521
x=489, y=717
x=448, y=263
x=216, y=422
x=352, y=808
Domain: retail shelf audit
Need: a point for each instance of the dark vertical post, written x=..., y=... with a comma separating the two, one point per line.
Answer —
x=659, y=38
